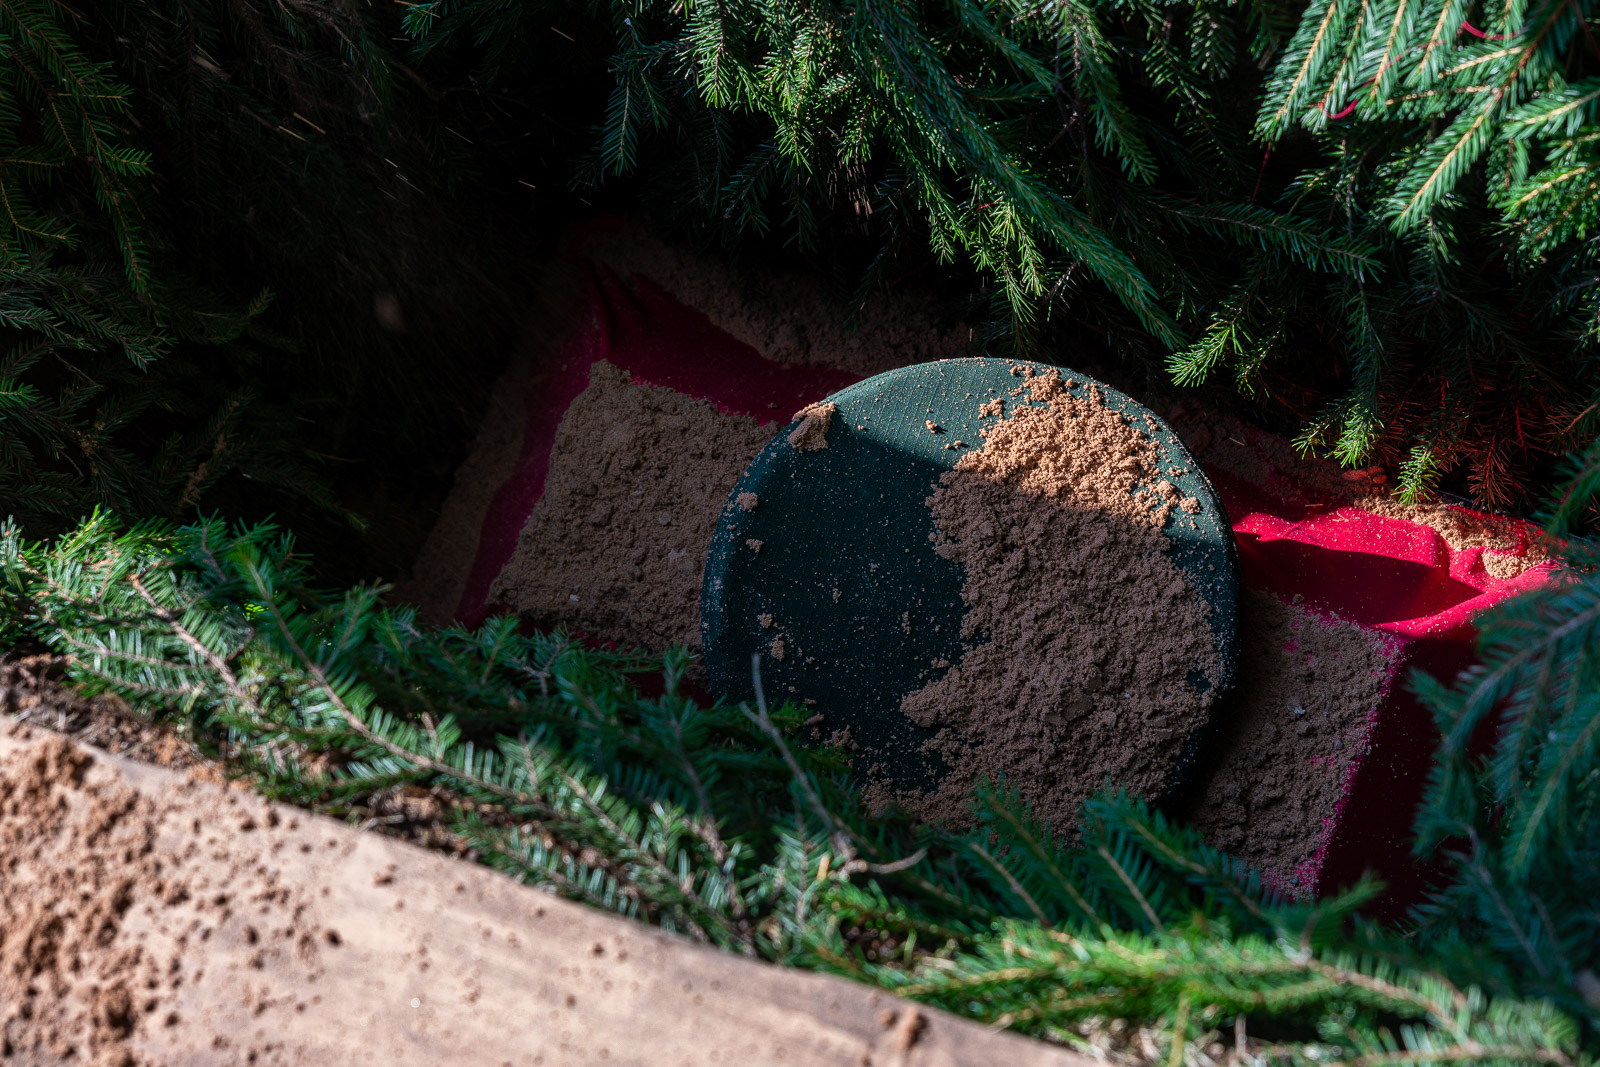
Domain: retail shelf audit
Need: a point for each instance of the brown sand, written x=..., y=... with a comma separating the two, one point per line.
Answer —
x=153, y=920
x=1081, y=630
x=1289, y=733
x=76, y=859
x=616, y=547
x=811, y=435
x=789, y=318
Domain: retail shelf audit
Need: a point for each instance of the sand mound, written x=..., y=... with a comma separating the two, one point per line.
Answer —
x=1290, y=736
x=150, y=918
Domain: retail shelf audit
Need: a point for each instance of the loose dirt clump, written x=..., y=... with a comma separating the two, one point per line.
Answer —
x=1081, y=632
x=616, y=547
x=1289, y=736
x=811, y=435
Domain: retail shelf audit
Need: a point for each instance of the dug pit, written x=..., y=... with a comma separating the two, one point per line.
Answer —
x=1275, y=818
x=597, y=557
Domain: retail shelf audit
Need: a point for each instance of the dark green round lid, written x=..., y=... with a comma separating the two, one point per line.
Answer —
x=831, y=576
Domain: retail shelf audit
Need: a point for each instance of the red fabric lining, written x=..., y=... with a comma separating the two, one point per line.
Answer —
x=643, y=329
x=1400, y=578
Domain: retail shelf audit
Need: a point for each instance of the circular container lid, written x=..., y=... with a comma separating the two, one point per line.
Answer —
x=832, y=578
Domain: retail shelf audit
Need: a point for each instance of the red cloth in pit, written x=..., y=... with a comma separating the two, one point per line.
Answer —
x=642, y=329
x=1397, y=577
x=1402, y=579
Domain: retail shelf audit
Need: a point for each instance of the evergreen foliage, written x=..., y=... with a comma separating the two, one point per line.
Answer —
x=200, y=207
x=1469, y=152
x=204, y=204
x=83, y=309
x=715, y=822
x=1520, y=820
x=1402, y=282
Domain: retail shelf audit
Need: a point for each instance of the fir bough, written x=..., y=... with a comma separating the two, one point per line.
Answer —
x=1462, y=139
x=1514, y=802
x=717, y=823
x=1386, y=240
x=104, y=396
x=203, y=208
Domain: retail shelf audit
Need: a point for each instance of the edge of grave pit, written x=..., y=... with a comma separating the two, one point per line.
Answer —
x=512, y=972
x=891, y=431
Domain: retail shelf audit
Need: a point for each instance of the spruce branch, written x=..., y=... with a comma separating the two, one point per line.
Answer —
x=331, y=701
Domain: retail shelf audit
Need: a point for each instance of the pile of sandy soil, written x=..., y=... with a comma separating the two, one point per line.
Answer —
x=616, y=547
x=150, y=918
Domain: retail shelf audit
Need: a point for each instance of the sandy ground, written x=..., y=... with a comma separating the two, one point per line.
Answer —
x=152, y=918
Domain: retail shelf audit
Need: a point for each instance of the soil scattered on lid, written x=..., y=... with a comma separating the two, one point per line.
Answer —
x=616, y=547
x=1081, y=632
x=815, y=422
